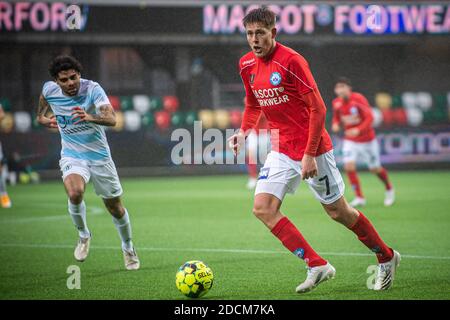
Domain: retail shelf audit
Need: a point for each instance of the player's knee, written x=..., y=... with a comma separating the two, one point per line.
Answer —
x=115, y=208
x=349, y=169
x=375, y=170
x=337, y=210
x=75, y=195
x=340, y=211
x=334, y=212
x=263, y=210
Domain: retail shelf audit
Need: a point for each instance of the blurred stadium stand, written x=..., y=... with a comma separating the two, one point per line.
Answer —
x=166, y=64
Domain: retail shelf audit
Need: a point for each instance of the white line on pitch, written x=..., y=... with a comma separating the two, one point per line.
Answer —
x=90, y=210
x=66, y=246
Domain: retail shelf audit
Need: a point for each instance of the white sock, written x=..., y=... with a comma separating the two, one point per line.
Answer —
x=2, y=185
x=123, y=226
x=78, y=215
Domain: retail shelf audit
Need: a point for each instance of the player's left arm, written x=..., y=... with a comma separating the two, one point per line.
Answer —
x=309, y=93
x=367, y=118
x=366, y=111
x=104, y=116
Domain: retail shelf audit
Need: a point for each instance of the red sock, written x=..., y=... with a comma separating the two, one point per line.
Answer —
x=384, y=177
x=368, y=235
x=293, y=240
x=252, y=170
x=354, y=181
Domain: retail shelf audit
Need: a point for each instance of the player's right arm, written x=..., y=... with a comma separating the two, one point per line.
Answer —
x=252, y=112
x=41, y=112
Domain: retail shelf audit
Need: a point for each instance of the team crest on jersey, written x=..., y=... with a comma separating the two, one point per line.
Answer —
x=275, y=78
x=354, y=110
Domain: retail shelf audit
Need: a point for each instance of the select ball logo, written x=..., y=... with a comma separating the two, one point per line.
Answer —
x=275, y=78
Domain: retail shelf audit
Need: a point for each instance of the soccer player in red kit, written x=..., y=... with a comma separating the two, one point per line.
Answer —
x=278, y=83
x=353, y=112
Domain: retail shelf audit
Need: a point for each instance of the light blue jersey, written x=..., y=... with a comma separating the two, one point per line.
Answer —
x=85, y=140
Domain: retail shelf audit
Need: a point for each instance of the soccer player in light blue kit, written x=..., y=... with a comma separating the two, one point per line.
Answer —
x=81, y=110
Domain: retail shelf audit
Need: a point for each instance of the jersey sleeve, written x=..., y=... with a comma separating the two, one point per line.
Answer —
x=317, y=114
x=252, y=109
x=99, y=97
x=301, y=74
x=249, y=96
x=367, y=116
x=46, y=88
x=362, y=100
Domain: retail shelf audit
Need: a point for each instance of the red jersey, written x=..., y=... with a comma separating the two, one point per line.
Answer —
x=354, y=113
x=278, y=86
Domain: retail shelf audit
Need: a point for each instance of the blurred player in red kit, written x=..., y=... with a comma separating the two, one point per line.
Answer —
x=352, y=111
x=279, y=83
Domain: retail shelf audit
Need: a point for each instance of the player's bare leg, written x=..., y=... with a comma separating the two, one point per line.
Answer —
x=388, y=259
x=122, y=222
x=252, y=171
x=252, y=160
x=389, y=196
x=267, y=209
x=75, y=186
x=350, y=169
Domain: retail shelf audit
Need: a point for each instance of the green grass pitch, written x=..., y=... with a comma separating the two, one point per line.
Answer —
x=210, y=219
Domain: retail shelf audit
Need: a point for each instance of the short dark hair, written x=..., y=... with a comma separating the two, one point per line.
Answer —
x=260, y=15
x=63, y=63
x=344, y=80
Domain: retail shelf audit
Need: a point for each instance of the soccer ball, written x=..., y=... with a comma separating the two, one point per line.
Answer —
x=194, y=279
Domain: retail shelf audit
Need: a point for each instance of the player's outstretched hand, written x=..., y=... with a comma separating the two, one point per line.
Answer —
x=309, y=167
x=236, y=141
x=80, y=114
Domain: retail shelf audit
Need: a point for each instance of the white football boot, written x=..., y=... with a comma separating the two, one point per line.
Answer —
x=386, y=273
x=131, y=260
x=82, y=249
x=358, y=202
x=389, y=198
x=315, y=276
x=251, y=184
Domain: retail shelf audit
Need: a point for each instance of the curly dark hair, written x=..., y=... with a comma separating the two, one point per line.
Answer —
x=260, y=15
x=63, y=63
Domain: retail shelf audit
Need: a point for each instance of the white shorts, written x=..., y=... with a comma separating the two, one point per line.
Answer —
x=366, y=152
x=281, y=175
x=258, y=146
x=104, y=177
